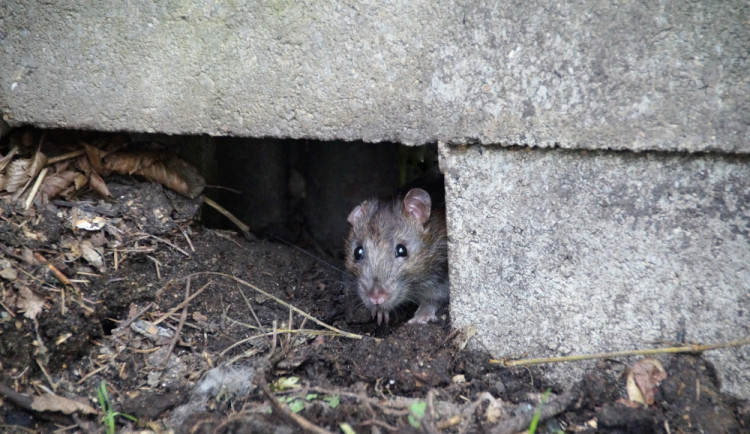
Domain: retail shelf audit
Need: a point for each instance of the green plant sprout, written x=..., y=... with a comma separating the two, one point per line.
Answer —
x=109, y=416
x=538, y=412
x=416, y=410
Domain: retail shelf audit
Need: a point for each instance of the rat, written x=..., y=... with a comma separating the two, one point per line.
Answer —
x=397, y=252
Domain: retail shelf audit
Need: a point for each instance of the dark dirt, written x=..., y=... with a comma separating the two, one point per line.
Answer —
x=244, y=361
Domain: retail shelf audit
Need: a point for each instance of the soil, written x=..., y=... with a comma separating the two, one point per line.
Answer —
x=197, y=330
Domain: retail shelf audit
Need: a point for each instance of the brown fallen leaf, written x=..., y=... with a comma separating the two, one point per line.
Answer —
x=97, y=184
x=16, y=174
x=166, y=169
x=94, y=156
x=51, y=402
x=643, y=380
x=58, y=182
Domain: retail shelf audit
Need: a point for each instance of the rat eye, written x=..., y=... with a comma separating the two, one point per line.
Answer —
x=401, y=251
x=359, y=253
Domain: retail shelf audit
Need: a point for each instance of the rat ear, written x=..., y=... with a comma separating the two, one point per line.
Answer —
x=418, y=203
x=356, y=214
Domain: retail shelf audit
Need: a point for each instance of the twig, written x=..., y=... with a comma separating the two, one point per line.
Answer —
x=187, y=238
x=25, y=402
x=243, y=227
x=64, y=157
x=60, y=276
x=90, y=374
x=10, y=312
x=282, y=302
x=172, y=245
x=125, y=324
x=246, y=354
x=183, y=304
x=177, y=332
x=647, y=352
x=21, y=400
x=46, y=374
x=156, y=266
x=35, y=188
x=284, y=410
x=252, y=311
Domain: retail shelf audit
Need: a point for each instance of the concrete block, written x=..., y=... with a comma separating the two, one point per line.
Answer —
x=559, y=252
x=666, y=74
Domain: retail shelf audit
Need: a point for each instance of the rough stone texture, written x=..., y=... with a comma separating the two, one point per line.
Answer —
x=665, y=74
x=559, y=252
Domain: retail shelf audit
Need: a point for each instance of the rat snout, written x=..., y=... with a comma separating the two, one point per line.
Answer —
x=377, y=295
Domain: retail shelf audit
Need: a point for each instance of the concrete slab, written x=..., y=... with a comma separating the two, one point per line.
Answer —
x=558, y=252
x=668, y=75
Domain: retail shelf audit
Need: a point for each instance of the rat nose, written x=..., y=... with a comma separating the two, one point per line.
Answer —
x=377, y=295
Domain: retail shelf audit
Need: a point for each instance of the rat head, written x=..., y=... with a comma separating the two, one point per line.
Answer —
x=385, y=250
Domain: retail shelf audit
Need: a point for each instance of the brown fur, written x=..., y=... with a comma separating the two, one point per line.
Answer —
x=421, y=277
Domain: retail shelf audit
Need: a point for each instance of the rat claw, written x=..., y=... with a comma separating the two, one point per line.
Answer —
x=387, y=317
x=372, y=312
x=380, y=317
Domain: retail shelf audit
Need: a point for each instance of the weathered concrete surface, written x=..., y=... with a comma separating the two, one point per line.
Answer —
x=665, y=74
x=559, y=252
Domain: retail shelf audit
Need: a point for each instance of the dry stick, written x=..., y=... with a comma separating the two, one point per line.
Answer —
x=63, y=157
x=252, y=311
x=25, y=402
x=46, y=374
x=60, y=276
x=156, y=266
x=177, y=332
x=167, y=243
x=183, y=304
x=274, y=332
x=10, y=312
x=243, y=227
x=299, y=420
x=282, y=302
x=35, y=188
x=92, y=373
x=187, y=238
x=125, y=324
x=647, y=352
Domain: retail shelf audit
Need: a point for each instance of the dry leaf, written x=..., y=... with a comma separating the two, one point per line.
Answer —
x=91, y=255
x=94, y=157
x=166, y=169
x=56, y=183
x=643, y=380
x=98, y=185
x=29, y=302
x=463, y=337
x=7, y=158
x=37, y=164
x=17, y=174
x=80, y=181
x=51, y=402
x=9, y=273
x=129, y=163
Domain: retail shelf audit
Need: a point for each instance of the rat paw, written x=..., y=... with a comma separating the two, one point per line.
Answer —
x=424, y=314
